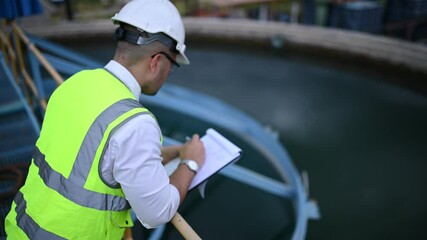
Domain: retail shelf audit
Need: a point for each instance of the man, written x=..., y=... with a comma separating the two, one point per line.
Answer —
x=99, y=151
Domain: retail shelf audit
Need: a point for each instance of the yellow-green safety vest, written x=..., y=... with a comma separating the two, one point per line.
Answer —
x=64, y=196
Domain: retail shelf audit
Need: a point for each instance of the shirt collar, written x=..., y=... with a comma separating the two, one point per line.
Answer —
x=125, y=76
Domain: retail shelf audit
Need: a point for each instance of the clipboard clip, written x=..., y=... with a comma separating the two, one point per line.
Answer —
x=202, y=188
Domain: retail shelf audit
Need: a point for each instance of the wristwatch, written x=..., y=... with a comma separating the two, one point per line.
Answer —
x=191, y=164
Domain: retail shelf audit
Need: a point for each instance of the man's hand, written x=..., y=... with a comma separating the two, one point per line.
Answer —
x=193, y=149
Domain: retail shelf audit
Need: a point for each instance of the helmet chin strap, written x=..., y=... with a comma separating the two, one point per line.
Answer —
x=121, y=34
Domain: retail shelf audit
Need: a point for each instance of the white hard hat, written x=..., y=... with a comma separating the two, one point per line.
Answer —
x=155, y=16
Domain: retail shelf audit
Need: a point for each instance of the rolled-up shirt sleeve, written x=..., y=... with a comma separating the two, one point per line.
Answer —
x=133, y=160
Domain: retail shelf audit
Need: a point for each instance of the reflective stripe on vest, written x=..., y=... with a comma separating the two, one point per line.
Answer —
x=28, y=225
x=72, y=188
x=94, y=136
x=74, y=192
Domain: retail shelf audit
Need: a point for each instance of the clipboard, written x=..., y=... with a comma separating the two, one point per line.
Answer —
x=219, y=152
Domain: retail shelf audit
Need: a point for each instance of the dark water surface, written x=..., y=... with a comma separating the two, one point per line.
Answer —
x=363, y=141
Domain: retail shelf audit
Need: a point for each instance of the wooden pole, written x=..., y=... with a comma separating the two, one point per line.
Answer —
x=30, y=83
x=58, y=79
x=7, y=50
x=180, y=224
x=12, y=58
x=20, y=55
x=128, y=234
x=184, y=228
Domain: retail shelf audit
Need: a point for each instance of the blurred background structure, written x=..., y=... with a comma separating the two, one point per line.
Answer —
x=405, y=19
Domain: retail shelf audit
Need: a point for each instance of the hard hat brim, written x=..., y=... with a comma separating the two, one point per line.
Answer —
x=182, y=59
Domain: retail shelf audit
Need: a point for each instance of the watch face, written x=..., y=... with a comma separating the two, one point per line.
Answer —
x=193, y=165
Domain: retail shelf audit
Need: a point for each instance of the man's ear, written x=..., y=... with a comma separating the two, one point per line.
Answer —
x=154, y=64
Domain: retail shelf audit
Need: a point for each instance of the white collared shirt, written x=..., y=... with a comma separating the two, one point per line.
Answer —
x=133, y=160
